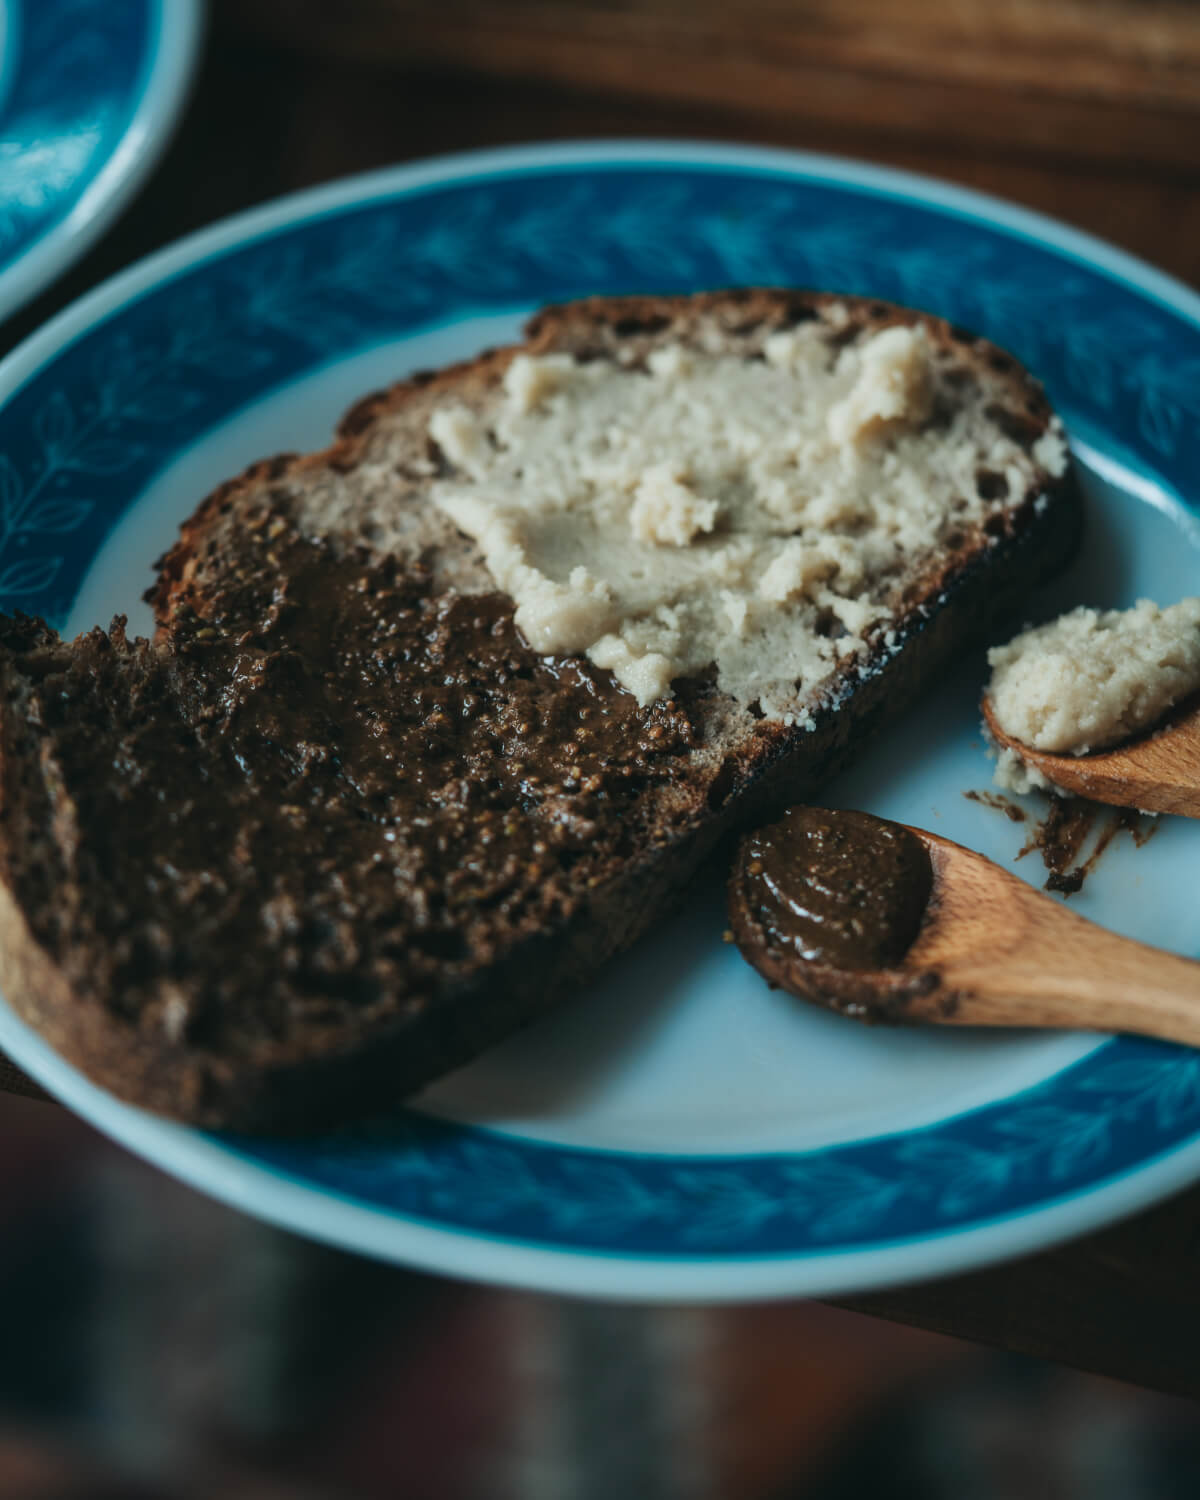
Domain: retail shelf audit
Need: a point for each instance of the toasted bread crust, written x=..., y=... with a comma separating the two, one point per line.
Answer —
x=741, y=776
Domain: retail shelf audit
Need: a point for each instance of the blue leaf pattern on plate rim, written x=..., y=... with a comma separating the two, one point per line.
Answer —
x=1124, y=1104
x=82, y=438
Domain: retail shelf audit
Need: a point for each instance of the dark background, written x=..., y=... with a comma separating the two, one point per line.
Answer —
x=154, y=1343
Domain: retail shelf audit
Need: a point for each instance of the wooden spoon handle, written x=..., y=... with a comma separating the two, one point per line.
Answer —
x=1006, y=955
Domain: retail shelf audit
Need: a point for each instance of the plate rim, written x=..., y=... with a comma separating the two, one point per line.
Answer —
x=359, y=188
x=269, y=1192
x=278, y=1197
x=175, y=32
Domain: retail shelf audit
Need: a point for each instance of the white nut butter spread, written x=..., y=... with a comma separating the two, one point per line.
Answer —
x=1090, y=679
x=759, y=514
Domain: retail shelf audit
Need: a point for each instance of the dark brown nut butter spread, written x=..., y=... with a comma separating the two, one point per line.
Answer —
x=329, y=791
x=841, y=889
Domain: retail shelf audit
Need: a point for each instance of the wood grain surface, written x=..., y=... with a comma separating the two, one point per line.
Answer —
x=1121, y=1302
x=1087, y=109
x=1117, y=81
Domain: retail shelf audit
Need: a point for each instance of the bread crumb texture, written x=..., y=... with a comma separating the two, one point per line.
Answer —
x=758, y=512
x=1090, y=679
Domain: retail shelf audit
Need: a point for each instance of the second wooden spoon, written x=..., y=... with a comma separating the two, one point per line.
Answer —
x=1155, y=772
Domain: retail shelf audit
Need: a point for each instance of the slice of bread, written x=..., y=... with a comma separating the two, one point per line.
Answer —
x=340, y=826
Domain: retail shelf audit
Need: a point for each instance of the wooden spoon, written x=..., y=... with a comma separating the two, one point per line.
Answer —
x=1156, y=772
x=989, y=951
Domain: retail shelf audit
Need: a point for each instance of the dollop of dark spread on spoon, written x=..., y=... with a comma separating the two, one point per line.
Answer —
x=842, y=889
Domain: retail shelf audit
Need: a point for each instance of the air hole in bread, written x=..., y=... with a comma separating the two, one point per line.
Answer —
x=991, y=485
x=448, y=944
x=642, y=323
x=942, y=415
x=721, y=786
x=695, y=685
x=437, y=458
x=842, y=338
x=1017, y=427
x=828, y=625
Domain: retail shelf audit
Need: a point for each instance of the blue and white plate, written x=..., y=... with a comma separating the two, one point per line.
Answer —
x=681, y=1131
x=89, y=92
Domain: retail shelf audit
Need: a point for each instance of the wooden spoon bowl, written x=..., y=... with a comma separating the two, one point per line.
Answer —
x=990, y=951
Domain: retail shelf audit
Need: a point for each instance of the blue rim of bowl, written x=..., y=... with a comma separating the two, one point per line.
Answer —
x=90, y=91
x=143, y=368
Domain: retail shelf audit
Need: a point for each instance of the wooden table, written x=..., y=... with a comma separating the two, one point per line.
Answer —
x=1088, y=111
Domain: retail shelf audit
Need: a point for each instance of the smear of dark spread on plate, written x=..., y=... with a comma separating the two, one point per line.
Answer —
x=1062, y=833
x=1000, y=803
